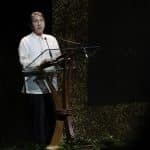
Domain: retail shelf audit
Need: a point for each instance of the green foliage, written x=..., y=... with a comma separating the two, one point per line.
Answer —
x=70, y=19
x=97, y=126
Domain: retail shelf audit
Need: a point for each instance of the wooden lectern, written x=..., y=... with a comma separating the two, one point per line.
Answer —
x=63, y=65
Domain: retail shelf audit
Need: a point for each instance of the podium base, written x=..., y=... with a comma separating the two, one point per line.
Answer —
x=52, y=147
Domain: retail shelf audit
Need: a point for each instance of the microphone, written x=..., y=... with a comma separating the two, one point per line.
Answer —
x=50, y=53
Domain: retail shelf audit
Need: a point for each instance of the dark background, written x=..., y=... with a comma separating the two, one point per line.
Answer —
x=14, y=25
x=119, y=72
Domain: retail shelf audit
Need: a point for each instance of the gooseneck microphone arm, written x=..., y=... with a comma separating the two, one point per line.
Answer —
x=50, y=53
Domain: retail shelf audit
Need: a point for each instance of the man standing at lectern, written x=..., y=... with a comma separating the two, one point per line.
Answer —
x=37, y=91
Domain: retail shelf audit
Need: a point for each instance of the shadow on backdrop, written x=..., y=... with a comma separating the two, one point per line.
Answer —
x=119, y=72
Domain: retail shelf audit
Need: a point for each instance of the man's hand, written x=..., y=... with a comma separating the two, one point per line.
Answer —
x=45, y=61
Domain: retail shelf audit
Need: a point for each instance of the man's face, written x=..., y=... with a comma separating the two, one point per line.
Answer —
x=38, y=24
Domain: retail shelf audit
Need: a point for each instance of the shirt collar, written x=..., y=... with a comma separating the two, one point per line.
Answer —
x=38, y=37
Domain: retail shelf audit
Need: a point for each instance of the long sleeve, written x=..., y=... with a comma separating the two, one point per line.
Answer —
x=23, y=53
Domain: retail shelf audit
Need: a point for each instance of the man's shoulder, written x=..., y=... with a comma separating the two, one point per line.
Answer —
x=26, y=37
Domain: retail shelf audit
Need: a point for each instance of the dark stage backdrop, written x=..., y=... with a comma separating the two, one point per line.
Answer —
x=119, y=72
x=15, y=24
